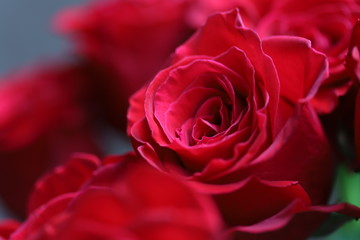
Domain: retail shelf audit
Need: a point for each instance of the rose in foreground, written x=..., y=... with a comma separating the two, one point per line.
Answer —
x=122, y=199
x=234, y=112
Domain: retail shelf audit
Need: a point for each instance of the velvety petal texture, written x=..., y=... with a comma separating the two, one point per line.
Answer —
x=233, y=112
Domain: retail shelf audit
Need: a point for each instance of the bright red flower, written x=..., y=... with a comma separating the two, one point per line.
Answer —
x=235, y=109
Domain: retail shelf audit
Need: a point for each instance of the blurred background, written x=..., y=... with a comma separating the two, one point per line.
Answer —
x=25, y=31
x=26, y=36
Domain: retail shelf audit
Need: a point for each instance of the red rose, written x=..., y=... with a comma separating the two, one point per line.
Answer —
x=42, y=121
x=234, y=109
x=121, y=200
x=128, y=40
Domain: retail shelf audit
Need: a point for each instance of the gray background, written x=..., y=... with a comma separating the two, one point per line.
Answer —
x=25, y=31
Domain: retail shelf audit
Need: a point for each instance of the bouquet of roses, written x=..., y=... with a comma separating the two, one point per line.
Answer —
x=240, y=115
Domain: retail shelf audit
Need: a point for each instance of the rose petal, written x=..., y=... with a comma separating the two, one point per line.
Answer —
x=301, y=69
x=64, y=179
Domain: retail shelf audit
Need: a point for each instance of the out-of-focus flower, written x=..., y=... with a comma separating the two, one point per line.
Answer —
x=121, y=200
x=235, y=109
x=43, y=120
x=128, y=41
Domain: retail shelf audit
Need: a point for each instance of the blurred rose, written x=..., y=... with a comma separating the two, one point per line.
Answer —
x=235, y=109
x=42, y=121
x=128, y=40
x=123, y=199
